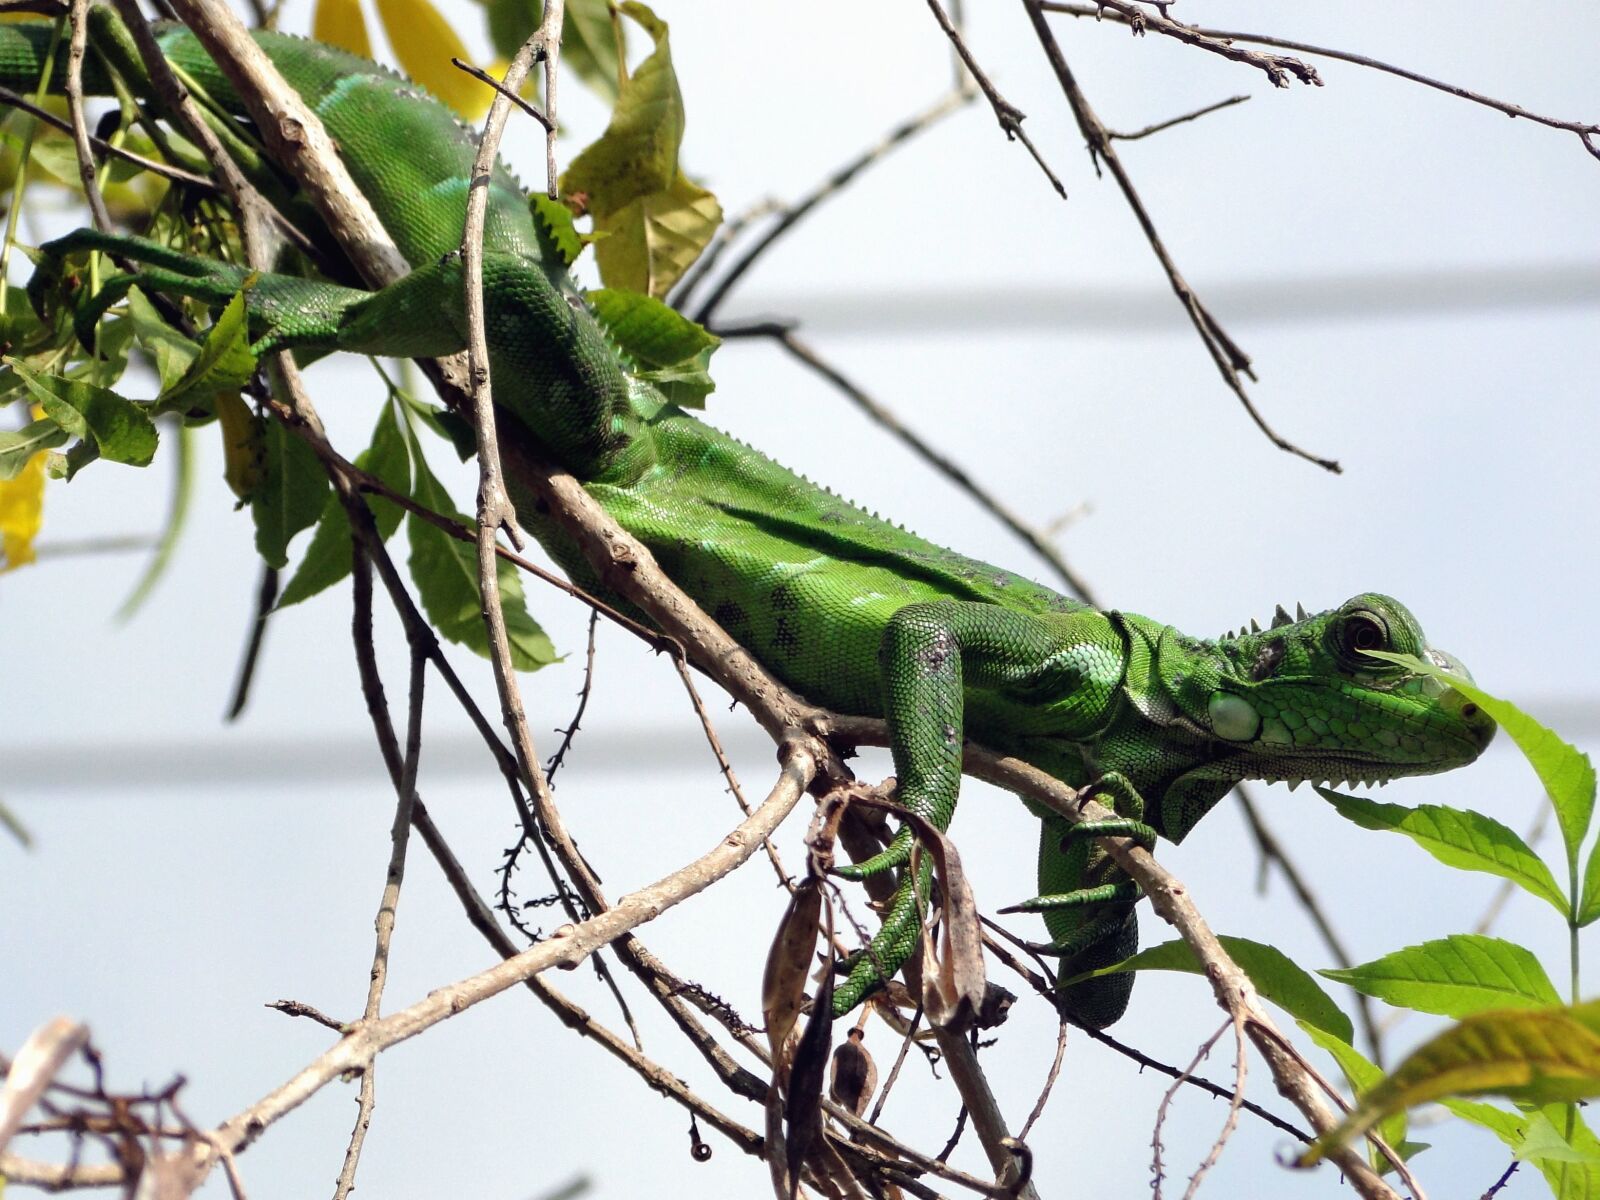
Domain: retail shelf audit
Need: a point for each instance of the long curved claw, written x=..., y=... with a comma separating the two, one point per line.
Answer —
x=897, y=854
x=1126, y=827
x=1125, y=892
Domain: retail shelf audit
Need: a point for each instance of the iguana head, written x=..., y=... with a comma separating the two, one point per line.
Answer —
x=1303, y=701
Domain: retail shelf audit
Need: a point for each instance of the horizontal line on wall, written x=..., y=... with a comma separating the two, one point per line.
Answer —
x=1133, y=311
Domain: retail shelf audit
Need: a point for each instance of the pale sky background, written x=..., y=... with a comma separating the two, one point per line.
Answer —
x=1418, y=281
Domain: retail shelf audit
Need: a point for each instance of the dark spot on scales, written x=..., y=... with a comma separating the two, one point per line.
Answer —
x=935, y=655
x=784, y=639
x=731, y=617
x=1267, y=660
x=783, y=599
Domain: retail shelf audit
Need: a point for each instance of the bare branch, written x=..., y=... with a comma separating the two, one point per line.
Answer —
x=1276, y=67
x=978, y=1097
x=1008, y=114
x=1240, y=1066
x=793, y=214
x=945, y=465
x=1230, y=360
x=1212, y=38
x=1171, y=121
x=80, y=126
x=1049, y=1081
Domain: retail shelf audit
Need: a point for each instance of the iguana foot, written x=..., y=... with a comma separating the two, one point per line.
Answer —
x=897, y=854
x=894, y=942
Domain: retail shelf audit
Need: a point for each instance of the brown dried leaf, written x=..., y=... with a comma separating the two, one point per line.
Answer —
x=954, y=982
x=802, y=1106
x=783, y=984
x=855, y=1075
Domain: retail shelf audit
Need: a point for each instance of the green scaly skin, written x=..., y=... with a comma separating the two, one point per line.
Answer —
x=856, y=614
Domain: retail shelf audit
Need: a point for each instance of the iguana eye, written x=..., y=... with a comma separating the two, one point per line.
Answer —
x=1358, y=632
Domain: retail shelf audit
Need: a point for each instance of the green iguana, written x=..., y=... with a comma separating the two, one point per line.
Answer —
x=855, y=613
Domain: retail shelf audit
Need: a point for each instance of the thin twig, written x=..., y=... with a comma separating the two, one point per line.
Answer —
x=80, y=125
x=482, y=76
x=266, y=597
x=792, y=215
x=726, y=766
x=1276, y=67
x=894, y=1071
x=727, y=233
x=1231, y=1122
x=979, y=1099
x=567, y=734
x=1171, y=121
x=1158, y=1171
x=1049, y=1082
x=1229, y=359
x=1009, y=115
x=388, y=905
x=1587, y=133
x=12, y=99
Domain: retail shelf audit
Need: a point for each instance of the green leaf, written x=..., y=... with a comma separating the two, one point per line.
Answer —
x=552, y=221
x=172, y=352
x=454, y=429
x=121, y=430
x=17, y=447
x=637, y=155
x=446, y=573
x=329, y=557
x=672, y=351
x=651, y=241
x=1566, y=773
x=224, y=363
x=589, y=44
x=1544, y=1140
x=655, y=221
x=1363, y=1075
x=290, y=495
x=1274, y=974
x=1536, y=1055
x=1589, y=907
x=1571, y=1172
x=177, y=515
x=1458, y=837
x=1454, y=976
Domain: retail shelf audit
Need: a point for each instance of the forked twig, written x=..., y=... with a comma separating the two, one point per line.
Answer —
x=1231, y=362
x=1212, y=39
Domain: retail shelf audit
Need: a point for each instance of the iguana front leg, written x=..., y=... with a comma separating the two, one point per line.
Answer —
x=561, y=378
x=931, y=656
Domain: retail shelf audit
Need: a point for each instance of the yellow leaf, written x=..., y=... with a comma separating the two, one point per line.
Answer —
x=243, y=454
x=637, y=155
x=340, y=23
x=650, y=242
x=21, y=511
x=424, y=43
x=1539, y=1056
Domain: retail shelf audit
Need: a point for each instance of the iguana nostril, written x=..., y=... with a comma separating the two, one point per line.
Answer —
x=1469, y=710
